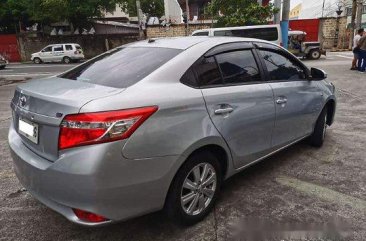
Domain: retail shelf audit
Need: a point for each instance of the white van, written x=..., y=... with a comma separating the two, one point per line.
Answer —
x=66, y=53
x=270, y=33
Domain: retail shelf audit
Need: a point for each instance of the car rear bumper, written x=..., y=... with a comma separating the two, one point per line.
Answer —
x=96, y=179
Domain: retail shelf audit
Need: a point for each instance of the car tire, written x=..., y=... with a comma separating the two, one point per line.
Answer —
x=37, y=61
x=320, y=130
x=67, y=60
x=314, y=54
x=201, y=201
x=2, y=67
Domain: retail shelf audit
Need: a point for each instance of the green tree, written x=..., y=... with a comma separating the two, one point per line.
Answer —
x=151, y=8
x=229, y=13
x=48, y=11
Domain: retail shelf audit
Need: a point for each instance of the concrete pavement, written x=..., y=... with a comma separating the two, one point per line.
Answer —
x=299, y=185
x=32, y=71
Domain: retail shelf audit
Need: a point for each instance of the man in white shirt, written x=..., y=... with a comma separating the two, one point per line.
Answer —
x=356, y=53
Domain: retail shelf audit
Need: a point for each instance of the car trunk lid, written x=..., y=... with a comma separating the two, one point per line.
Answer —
x=44, y=103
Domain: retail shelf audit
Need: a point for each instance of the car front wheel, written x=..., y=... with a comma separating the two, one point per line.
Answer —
x=37, y=60
x=195, y=189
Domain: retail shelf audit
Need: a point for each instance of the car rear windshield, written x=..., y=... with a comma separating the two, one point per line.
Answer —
x=122, y=67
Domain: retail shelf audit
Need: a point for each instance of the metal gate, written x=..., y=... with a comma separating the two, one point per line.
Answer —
x=9, y=47
x=310, y=26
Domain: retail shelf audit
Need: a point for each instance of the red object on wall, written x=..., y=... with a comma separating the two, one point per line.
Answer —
x=310, y=26
x=9, y=47
x=265, y=2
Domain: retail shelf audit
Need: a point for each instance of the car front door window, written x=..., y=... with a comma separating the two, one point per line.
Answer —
x=279, y=67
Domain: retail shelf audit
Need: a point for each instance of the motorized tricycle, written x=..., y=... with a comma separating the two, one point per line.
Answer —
x=299, y=47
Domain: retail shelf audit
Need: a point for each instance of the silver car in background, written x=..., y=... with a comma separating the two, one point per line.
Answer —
x=65, y=53
x=160, y=124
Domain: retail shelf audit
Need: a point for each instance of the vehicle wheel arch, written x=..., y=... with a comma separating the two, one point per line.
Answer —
x=331, y=107
x=216, y=147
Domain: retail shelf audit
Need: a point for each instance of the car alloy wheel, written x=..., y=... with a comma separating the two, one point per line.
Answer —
x=198, y=189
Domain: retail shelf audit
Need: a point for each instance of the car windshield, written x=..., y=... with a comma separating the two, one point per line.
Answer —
x=121, y=67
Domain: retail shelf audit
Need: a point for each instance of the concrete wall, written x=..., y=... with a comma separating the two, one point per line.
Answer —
x=175, y=30
x=327, y=33
x=92, y=44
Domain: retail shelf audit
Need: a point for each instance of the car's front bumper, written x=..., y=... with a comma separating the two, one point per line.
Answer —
x=96, y=179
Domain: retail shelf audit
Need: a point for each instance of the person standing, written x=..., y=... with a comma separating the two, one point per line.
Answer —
x=355, y=49
x=362, y=54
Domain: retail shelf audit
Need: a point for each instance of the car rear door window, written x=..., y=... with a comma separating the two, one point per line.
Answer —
x=269, y=34
x=58, y=48
x=238, y=67
x=122, y=67
x=280, y=67
x=208, y=72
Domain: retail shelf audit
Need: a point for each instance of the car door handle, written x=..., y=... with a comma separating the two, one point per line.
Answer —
x=281, y=100
x=224, y=110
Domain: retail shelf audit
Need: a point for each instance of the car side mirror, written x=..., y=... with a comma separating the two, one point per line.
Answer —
x=318, y=74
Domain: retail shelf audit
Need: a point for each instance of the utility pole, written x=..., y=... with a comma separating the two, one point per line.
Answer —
x=323, y=8
x=359, y=14
x=139, y=17
x=277, y=16
x=285, y=22
x=353, y=23
x=188, y=17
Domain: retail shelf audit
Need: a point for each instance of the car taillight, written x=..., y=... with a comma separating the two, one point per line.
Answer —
x=88, y=216
x=100, y=127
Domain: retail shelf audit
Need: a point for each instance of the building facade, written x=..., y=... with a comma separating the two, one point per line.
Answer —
x=295, y=12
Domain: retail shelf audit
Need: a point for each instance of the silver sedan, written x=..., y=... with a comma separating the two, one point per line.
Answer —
x=160, y=124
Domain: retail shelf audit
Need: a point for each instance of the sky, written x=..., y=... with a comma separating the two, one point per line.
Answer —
x=295, y=2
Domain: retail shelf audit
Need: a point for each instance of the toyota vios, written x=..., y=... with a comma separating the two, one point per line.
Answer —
x=160, y=124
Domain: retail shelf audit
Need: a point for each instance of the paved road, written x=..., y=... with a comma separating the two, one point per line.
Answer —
x=301, y=184
x=22, y=71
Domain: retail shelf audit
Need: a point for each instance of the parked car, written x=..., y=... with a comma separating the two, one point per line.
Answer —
x=160, y=124
x=3, y=62
x=299, y=47
x=66, y=53
x=270, y=33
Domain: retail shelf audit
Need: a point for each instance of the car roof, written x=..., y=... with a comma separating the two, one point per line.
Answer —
x=184, y=43
x=63, y=44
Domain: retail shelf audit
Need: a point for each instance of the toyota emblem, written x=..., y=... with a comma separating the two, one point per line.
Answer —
x=22, y=101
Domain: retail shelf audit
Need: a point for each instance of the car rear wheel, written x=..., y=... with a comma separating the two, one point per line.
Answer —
x=37, y=60
x=66, y=60
x=314, y=54
x=194, y=189
x=320, y=130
